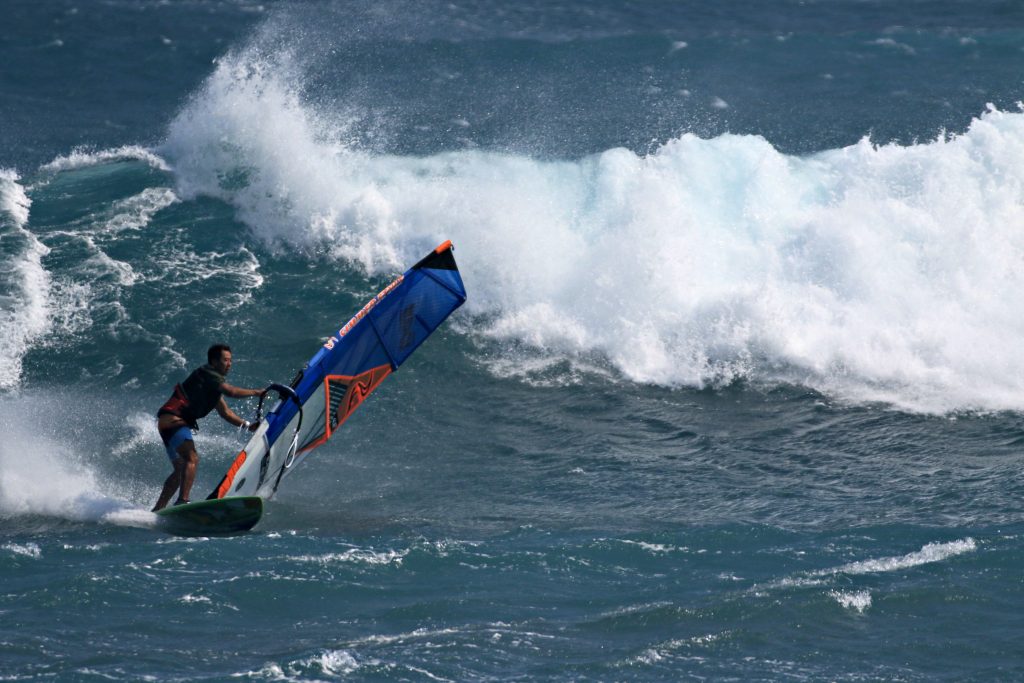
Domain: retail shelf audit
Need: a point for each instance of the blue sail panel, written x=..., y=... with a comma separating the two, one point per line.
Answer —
x=404, y=322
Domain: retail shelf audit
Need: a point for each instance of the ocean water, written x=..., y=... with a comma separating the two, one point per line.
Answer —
x=738, y=392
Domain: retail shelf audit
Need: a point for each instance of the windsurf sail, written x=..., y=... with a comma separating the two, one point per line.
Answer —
x=349, y=367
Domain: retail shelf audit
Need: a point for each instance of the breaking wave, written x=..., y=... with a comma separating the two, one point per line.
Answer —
x=24, y=283
x=871, y=273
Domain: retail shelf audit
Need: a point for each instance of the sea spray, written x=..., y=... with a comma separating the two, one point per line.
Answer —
x=871, y=273
x=24, y=282
x=37, y=476
x=46, y=469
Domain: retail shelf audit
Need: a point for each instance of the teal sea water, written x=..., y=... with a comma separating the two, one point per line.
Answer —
x=737, y=393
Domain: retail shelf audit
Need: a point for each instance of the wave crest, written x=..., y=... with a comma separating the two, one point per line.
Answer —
x=24, y=282
x=873, y=272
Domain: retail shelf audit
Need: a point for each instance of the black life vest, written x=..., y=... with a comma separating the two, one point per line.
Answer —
x=196, y=396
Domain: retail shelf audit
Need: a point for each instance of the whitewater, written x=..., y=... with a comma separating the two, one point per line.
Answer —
x=870, y=273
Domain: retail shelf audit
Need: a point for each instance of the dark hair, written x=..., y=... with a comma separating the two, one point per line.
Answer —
x=213, y=353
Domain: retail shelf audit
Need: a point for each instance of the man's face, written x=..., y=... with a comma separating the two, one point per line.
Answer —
x=223, y=364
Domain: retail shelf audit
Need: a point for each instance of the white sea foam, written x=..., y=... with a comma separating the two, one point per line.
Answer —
x=24, y=549
x=184, y=266
x=335, y=662
x=672, y=648
x=13, y=200
x=890, y=43
x=872, y=273
x=857, y=601
x=100, y=266
x=655, y=548
x=69, y=307
x=271, y=672
x=931, y=552
x=101, y=277
x=356, y=556
x=330, y=663
x=414, y=635
x=135, y=213
x=91, y=290
x=82, y=158
x=24, y=282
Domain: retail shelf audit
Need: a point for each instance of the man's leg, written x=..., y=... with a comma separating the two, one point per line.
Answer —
x=170, y=485
x=190, y=460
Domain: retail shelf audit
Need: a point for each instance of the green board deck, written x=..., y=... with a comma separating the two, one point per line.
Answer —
x=217, y=517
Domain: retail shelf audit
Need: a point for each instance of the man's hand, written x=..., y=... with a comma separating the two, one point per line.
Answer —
x=253, y=426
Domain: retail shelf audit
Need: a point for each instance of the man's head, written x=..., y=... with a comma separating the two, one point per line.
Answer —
x=219, y=356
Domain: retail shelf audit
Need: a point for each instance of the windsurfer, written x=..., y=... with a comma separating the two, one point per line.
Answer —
x=204, y=390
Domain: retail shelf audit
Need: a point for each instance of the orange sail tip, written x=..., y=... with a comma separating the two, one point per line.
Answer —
x=444, y=247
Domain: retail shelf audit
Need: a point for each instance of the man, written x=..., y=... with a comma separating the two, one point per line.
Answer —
x=201, y=392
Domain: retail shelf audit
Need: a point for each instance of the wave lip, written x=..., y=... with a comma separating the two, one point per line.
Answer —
x=24, y=282
x=84, y=158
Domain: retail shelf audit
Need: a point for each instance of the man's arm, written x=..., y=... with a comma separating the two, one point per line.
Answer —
x=236, y=392
x=229, y=415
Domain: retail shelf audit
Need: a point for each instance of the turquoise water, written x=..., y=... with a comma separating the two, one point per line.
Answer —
x=736, y=394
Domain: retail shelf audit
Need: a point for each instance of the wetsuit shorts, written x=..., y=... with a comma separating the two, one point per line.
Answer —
x=174, y=437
